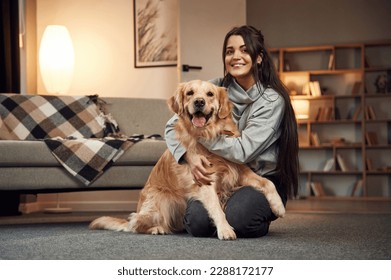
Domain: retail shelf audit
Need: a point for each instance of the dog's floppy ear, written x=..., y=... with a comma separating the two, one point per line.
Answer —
x=225, y=106
x=175, y=103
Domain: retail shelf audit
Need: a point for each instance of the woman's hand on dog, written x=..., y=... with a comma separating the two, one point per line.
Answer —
x=198, y=167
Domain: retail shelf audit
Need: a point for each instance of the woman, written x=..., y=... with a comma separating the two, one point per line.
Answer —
x=268, y=143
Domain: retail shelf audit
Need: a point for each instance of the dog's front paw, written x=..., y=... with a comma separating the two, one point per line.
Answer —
x=226, y=233
x=158, y=230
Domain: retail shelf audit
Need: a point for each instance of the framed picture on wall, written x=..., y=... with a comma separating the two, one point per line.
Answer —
x=155, y=33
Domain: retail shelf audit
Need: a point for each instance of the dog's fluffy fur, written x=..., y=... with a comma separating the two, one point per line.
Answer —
x=204, y=111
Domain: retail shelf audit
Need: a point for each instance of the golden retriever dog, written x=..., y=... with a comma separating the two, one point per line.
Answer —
x=204, y=111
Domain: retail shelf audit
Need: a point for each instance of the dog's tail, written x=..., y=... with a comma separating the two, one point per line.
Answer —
x=110, y=223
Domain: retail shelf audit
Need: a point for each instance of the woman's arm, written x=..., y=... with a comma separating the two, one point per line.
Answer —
x=173, y=145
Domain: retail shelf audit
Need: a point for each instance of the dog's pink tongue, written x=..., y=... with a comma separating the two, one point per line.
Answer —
x=199, y=121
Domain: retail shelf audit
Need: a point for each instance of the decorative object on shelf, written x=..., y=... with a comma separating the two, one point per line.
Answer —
x=56, y=59
x=381, y=83
x=340, y=141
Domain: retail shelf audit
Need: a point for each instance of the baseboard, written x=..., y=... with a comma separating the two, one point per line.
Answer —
x=81, y=206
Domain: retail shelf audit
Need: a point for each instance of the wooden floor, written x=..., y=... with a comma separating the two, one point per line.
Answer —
x=339, y=206
x=294, y=206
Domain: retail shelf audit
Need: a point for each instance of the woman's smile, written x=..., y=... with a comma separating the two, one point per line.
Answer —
x=238, y=62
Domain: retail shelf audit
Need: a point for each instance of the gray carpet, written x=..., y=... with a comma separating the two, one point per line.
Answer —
x=296, y=237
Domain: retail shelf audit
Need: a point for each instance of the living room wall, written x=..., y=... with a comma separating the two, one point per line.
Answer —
x=102, y=34
x=287, y=23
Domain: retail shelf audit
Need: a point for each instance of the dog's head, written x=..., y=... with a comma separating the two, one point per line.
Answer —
x=201, y=103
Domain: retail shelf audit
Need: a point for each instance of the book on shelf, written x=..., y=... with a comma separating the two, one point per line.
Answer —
x=287, y=65
x=314, y=139
x=316, y=188
x=276, y=62
x=337, y=114
x=371, y=138
x=385, y=168
x=366, y=62
x=357, y=188
x=356, y=88
x=330, y=165
x=357, y=113
x=369, y=164
x=331, y=61
x=325, y=114
x=315, y=88
x=312, y=88
x=343, y=166
x=389, y=137
x=306, y=89
x=370, y=113
x=349, y=115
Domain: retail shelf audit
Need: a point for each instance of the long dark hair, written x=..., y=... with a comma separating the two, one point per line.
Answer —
x=266, y=74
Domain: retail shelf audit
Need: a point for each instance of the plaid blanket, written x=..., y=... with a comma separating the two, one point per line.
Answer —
x=31, y=117
x=84, y=139
x=87, y=159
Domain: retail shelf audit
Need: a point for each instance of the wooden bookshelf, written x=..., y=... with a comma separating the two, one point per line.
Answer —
x=349, y=118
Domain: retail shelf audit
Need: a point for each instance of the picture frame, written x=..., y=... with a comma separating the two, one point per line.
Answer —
x=155, y=33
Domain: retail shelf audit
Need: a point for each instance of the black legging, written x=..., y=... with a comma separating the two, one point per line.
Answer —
x=247, y=211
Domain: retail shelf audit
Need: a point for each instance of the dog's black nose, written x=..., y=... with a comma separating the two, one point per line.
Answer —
x=199, y=103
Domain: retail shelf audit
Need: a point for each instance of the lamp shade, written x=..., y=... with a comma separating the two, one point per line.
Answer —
x=301, y=108
x=56, y=59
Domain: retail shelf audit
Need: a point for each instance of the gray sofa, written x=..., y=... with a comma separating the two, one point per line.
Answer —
x=29, y=166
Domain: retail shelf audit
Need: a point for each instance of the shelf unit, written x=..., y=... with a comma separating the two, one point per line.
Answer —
x=345, y=132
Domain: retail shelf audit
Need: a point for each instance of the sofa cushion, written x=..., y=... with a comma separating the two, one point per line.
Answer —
x=139, y=115
x=35, y=153
x=146, y=152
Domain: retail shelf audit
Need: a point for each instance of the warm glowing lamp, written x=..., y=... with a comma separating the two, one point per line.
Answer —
x=56, y=59
x=301, y=108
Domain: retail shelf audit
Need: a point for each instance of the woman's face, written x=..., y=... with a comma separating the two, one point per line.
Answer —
x=238, y=62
